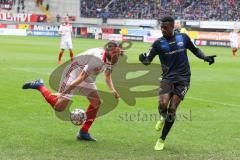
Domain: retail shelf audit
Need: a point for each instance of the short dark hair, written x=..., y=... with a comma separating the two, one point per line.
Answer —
x=112, y=44
x=167, y=19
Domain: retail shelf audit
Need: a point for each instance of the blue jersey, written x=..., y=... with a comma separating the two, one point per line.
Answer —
x=173, y=56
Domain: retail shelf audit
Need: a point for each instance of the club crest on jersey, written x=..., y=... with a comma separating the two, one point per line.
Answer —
x=97, y=69
x=180, y=44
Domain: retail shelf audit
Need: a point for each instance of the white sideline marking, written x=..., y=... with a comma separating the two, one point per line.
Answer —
x=212, y=101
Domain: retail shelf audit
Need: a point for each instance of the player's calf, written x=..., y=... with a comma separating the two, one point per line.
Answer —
x=39, y=85
x=234, y=51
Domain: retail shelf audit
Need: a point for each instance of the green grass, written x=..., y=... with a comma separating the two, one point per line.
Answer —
x=29, y=128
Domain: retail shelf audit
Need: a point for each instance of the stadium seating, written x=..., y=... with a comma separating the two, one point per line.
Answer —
x=51, y=8
x=20, y=6
x=64, y=8
x=226, y=10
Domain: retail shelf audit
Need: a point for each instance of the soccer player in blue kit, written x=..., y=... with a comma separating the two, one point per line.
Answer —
x=172, y=51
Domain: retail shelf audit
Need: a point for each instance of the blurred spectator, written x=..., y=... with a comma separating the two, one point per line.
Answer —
x=39, y=2
x=104, y=15
x=23, y=5
x=47, y=6
x=58, y=18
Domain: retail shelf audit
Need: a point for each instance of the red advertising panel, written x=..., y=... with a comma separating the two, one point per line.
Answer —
x=3, y=26
x=22, y=17
x=108, y=30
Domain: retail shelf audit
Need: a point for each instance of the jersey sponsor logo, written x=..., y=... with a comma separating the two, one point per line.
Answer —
x=176, y=51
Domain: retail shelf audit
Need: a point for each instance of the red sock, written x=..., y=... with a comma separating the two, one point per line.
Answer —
x=60, y=56
x=51, y=99
x=71, y=55
x=91, y=115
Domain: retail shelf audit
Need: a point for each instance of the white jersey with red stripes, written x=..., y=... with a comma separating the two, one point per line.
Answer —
x=93, y=62
x=234, y=39
x=66, y=31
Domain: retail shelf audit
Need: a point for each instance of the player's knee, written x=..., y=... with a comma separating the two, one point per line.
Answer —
x=162, y=104
x=59, y=107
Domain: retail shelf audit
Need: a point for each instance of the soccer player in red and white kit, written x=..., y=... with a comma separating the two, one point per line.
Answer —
x=234, y=41
x=79, y=77
x=65, y=31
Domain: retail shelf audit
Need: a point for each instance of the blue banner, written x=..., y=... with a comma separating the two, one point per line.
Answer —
x=42, y=33
x=138, y=32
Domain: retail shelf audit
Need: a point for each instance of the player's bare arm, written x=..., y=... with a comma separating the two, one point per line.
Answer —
x=108, y=79
x=83, y=75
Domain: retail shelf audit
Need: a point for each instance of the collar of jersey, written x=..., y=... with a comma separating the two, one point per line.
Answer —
x=104, y=58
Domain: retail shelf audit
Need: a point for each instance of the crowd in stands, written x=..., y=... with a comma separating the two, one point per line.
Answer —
x=7, y=1
x=226, y=10
x=8, y=5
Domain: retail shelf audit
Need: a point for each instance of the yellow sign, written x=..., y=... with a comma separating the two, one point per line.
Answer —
x=23, y=26
x=124, y=31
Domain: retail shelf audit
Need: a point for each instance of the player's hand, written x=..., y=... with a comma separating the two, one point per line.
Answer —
x=116, y=94
x=210, y=59
x=143, y=58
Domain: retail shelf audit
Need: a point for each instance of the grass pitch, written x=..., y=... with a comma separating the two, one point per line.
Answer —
x=207, y=127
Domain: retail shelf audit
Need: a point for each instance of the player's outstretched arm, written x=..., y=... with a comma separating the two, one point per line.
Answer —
x=83, y=75
x=108, y=79
x=197, y=52
x=146, y=58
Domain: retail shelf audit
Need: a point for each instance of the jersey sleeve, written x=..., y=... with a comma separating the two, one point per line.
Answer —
x=89, y=68
x=156, y=45
x=153, y=51
x=189, y=43
x=196, y=51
